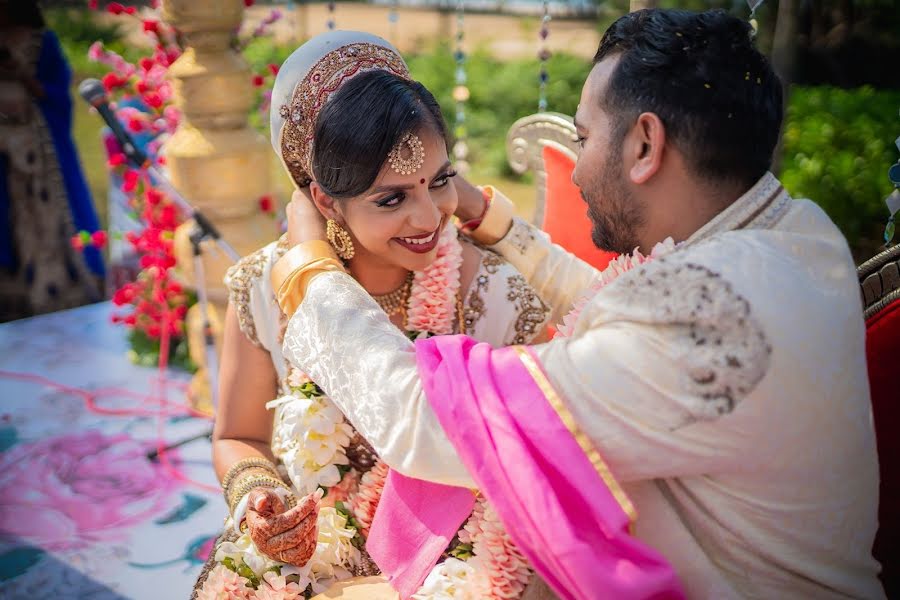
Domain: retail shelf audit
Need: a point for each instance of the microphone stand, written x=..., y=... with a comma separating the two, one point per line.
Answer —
x=203, y=229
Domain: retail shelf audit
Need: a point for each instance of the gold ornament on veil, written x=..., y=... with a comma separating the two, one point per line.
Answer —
x=407, y=156
x=339, y=239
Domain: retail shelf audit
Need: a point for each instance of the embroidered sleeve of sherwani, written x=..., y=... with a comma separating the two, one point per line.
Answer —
x=558, y=276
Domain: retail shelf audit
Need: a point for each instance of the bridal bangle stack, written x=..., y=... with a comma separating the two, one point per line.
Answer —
x=246, y=475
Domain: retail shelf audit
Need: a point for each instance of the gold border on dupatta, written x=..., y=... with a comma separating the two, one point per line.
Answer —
x=581, y=438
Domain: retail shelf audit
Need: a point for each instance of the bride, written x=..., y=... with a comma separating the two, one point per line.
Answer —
x=368, y=146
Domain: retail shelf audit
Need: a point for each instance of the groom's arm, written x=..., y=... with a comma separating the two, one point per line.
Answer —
x=558, y=276
x=343, y=340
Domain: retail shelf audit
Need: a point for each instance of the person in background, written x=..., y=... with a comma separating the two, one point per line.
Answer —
x=44, y=198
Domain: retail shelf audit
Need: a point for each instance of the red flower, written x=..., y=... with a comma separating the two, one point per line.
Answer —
x=273, y=69
x=141, y=87
x=248, y=3
x=135, y=125
x=112, y=81
x=146, y=63
x=76, y=242
x=154, y=331
x=265, y=204
x=92, y=4
x=115, y=8
x=130, y=181
x=98, y=239
x=130, y=320
x=258, y=80
x=153, y=99
x=154, y=197
x=161, y=160
x=130, y=10
x=151, y=26
x=116, y=160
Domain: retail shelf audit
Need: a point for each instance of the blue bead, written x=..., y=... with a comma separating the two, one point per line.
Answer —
x=544, y=77
x=459, y=55
x=393, y=17
x=330, y=24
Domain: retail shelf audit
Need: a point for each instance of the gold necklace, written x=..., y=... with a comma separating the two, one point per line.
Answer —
x=394, y=302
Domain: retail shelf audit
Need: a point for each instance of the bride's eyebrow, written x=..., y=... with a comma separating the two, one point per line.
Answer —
x=391, y=188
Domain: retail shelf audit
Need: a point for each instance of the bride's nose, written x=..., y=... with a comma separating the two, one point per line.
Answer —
x=425, y=216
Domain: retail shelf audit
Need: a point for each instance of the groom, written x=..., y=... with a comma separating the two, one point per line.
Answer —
x=712, y=399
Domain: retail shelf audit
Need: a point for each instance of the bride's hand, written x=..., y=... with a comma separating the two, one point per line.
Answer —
x=471, y=200
x=286, y=536
x=305, y=222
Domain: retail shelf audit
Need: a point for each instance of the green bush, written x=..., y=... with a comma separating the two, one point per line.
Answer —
x=838, y=145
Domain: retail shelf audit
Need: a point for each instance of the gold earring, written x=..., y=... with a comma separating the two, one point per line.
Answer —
x=339, y=239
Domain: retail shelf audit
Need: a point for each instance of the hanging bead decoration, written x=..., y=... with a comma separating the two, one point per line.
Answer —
x=331, y=21
x=893, y=201
x=544, y=56
x=393, y=18
x=460, y=93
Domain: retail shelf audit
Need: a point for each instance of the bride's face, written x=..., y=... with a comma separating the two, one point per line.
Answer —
x=400, y=218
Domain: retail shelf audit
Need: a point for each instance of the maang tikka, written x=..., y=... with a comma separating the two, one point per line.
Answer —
x=408, y=155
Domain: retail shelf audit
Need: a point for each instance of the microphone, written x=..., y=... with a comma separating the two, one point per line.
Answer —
x=93, y=92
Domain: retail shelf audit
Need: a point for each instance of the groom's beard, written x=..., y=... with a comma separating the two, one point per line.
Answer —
x=613, y=210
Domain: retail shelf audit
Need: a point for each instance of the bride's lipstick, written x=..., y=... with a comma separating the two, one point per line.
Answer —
x=420, y=244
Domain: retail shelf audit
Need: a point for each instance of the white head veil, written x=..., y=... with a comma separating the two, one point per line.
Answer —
x=309, y=76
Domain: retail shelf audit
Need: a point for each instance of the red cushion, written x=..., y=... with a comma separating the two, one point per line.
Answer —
x=565, y=213
x=883, y=354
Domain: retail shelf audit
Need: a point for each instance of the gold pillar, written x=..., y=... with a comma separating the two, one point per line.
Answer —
x=215, y=159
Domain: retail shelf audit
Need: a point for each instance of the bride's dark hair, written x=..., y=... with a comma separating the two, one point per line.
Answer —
x=360, y=124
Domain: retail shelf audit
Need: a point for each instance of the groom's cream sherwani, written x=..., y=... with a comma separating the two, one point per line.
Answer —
x=724, y=384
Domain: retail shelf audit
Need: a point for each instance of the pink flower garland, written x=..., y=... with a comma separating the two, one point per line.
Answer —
x=364, y=502
x=224, y=584
x=503, y=569
x=621, y=264
x=432, y=301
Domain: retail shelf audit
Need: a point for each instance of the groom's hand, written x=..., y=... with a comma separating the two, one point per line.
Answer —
x=305, y=222
x=471, y=200
x=286, y=536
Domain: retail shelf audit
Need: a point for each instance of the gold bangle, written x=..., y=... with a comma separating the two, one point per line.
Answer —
x=247, y=463
x=247, y=484
x=245, y=474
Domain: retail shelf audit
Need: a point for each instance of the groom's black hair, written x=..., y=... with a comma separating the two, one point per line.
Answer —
x=701, y=74
x=360, y=125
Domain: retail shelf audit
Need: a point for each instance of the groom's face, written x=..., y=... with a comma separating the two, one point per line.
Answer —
x=615, y=213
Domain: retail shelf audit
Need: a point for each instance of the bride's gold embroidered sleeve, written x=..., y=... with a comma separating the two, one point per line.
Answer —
x=240, y=279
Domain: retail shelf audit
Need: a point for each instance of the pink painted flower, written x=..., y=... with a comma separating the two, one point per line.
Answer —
x=365, y=501
x=76, y=490
x=224, y=584
x=96, y=52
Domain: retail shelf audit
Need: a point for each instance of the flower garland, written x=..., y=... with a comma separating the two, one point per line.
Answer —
x=618, y=266
x=432, y=300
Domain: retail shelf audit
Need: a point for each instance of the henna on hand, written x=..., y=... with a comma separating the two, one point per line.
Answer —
x=287, y=536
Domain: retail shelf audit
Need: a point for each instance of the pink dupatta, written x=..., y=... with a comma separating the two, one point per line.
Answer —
x=550, y=487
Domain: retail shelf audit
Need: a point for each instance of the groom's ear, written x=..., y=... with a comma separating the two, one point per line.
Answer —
x=323, y=201
x=647, y=143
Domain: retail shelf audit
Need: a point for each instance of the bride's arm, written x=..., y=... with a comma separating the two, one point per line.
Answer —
x=378, y=389
x=247, y=380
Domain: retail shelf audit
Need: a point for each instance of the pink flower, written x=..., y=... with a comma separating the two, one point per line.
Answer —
x=365, y=501
x=618, y=266
x=77, y=490
x=223, y=584
x=346, y=487
x=496, y=557
x=432, y=302
x=276, y=587
x=96, y=52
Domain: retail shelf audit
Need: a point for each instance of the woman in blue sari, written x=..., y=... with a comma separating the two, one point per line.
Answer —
x=44, y=199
